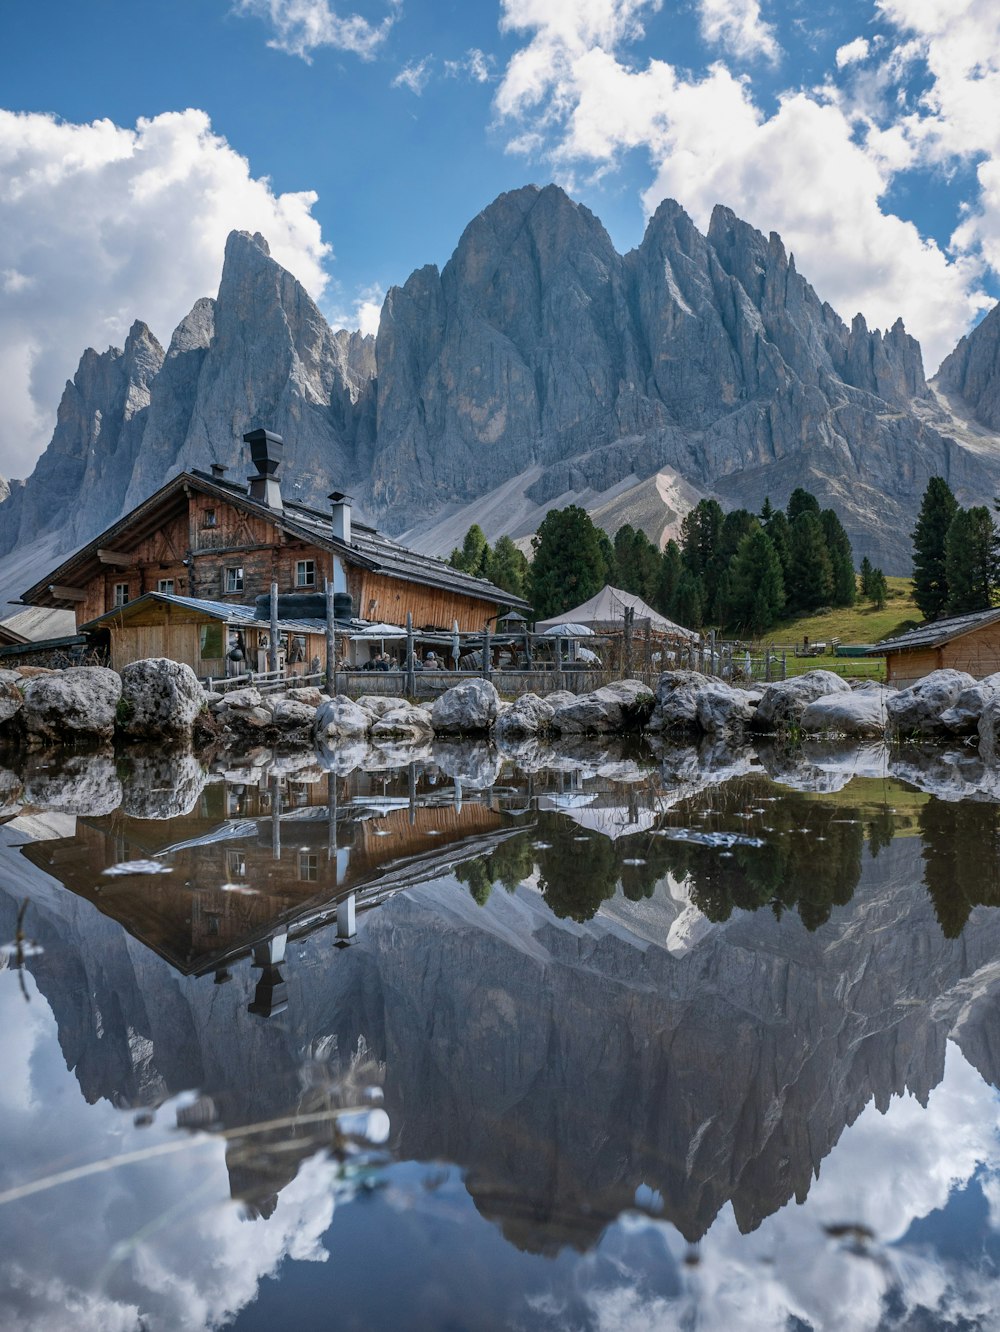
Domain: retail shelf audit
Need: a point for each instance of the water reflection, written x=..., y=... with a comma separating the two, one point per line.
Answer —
x=635, y=1004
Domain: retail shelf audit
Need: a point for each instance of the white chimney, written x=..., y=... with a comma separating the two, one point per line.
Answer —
x=341, y=516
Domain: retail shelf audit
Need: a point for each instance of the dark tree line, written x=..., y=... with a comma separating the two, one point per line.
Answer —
x=956, y=555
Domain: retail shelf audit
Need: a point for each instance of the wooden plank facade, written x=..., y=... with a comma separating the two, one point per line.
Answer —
x=976, y=651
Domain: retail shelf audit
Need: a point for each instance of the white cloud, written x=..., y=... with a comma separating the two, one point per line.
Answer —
x=801, y=171
x=737, y=26
x=300, y=26
x=475, y=65
x=852, y=52
x=100, y=225
x=414, y=76
x=365, y=312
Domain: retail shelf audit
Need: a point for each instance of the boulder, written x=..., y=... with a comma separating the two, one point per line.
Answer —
x=692, y=704
x=11, y=791
x=783, y=703
x=989, y=733
x=243, y=699
x=308, y=694
x=723, y=709
x=473, y=763
x=621, y=706
x=11, y=698
x=559, y=697
x=73, y=784
x=962, y=718
x=70, y=706
x=860, y=713
x=341, y=718
x=527, y=715
x=917, y=710
x=289, y=714
x=468, y=708
x=403, y=723
x=160, y=699
x=379, y=704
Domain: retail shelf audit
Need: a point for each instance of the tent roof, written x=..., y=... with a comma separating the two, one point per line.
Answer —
x=607, y=609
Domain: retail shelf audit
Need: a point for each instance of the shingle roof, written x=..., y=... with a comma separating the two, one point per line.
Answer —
x=217, y=610
x=935, y=633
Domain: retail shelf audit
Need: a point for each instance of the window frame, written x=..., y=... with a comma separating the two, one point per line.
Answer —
x=166, y=591
x=235, y=569
x=305, y=573
x=117, y=600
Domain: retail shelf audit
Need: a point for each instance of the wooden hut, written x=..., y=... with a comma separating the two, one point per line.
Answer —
x=965, y=643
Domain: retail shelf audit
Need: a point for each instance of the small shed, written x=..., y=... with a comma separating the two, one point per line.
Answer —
x=202, y=633
x=964, y=643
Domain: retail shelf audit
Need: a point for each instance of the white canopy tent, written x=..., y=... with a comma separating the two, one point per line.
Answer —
x=605, y=613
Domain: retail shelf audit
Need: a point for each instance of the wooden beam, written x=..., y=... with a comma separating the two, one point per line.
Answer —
x=117, y=557
x=67, y=593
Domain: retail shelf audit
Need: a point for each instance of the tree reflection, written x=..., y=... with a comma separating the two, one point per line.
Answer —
x=961, y=853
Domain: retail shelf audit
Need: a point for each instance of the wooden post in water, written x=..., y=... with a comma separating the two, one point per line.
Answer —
x=487, y=662
x=411, y=669
x=647, y=651
x=272, y=658
x=331, y=642
x=411, y=788
x=629, y=620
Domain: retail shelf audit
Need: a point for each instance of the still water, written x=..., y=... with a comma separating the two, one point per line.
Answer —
x=592, y=1040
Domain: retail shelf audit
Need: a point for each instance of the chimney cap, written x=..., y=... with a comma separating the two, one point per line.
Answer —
x=337, y=497
x=266, y=449
x=219, y=469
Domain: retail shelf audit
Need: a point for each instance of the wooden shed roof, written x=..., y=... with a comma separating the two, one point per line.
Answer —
x=234, y=615
x=367, y=549
x=935, y=634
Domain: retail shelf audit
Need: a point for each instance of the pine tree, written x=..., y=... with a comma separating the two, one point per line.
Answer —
x=878, y=588
x=758, y=592
x=701, y=532
x=474, y=555
x=670, y=573
x=570, y=563
x=810, y=575
x=970, y=561
x=838, y=546
x=780, y=535
x=688, y=606
x=801, y=501
x=866, y=578
x=766, y=512
x=930, y=579
x=507, y=567
x=637, y=563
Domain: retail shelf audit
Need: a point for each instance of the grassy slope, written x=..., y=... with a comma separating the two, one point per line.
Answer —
x=855, y=624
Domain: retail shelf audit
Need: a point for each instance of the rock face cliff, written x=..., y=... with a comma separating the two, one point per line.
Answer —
x=538, y=367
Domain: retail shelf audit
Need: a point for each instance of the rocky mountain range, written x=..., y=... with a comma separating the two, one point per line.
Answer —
x=539, y=367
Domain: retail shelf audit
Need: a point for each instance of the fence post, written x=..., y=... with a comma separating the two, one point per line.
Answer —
x=711, y=653
x=767, y=665
x=331, y=642
x=629, y=618
x=487, y=663
x=411, y=669
x=272, y=659
x=784, y=666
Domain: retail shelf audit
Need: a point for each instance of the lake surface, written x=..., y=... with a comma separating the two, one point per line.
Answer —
x=601, y=1039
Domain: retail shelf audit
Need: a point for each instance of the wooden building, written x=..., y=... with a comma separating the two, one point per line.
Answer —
x=965, y=643
x=203, y=537
x=202, y=633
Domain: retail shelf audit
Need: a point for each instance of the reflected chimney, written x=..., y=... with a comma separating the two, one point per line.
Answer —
x=218, y=471
x=265, y=454
x=341, y=515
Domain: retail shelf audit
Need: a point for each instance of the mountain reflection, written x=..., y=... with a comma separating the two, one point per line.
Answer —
x=617, y=997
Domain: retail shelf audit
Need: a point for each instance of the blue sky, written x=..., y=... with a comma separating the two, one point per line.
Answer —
x=362, y=137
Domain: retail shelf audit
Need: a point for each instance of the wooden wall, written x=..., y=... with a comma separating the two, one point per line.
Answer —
x=977, y=652
x=377, y=597
x=902, y=668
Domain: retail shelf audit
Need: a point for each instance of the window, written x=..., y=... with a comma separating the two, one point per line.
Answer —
x=308, y=867
x=165, y=585
x=236, y=866
x=120, y=595
x=210, y=640
x=209, y=519
x=305, y=573
x=234, y=578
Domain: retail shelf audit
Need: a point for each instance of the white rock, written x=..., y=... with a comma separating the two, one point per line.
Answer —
x=860, y=713
x=11, y=698
x=917, y=710
x=466, y=709
x=247, y=698
x=79, y=784
x=379, y=704
x=611, y=709
x=403, y=723
x=308, y=694
x=527, y=715
x=962, y=718
x=160, y=698
x=783, y=703
x=289, y=714
x=341, y=718
x=163, y=785
x=473, y=763
x=68, y=706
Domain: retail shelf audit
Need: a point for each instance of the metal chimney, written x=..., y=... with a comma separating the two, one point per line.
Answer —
x=265, y=454
x=341, y=515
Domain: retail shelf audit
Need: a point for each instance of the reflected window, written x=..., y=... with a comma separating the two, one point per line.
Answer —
x=236, y=866
x=234, y=802
x=308, y=866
